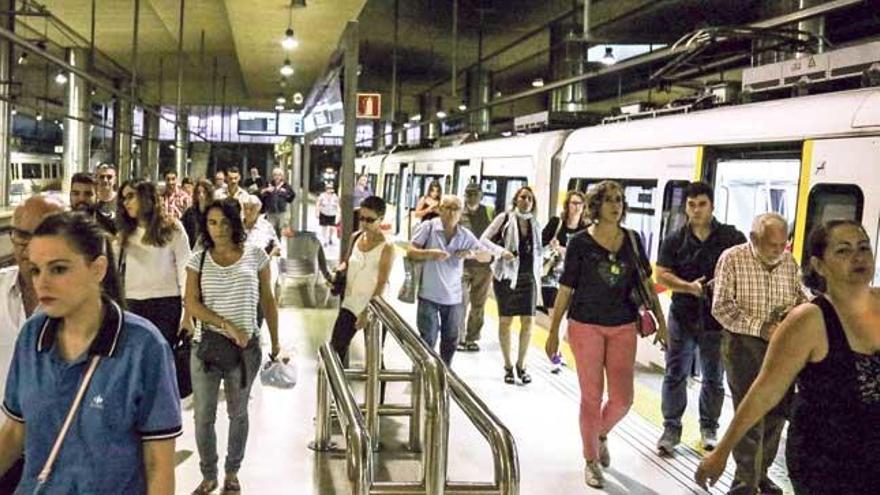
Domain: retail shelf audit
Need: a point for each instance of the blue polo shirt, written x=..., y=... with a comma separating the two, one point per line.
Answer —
x=131, y=399
x=441, y=280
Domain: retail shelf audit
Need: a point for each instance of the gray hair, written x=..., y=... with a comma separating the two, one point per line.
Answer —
x=253, y=200
x=450, y=198
x=760, y=223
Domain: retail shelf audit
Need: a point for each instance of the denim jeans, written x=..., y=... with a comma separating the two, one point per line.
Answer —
x=206, y=387
x=432, y=318
x=680, y=351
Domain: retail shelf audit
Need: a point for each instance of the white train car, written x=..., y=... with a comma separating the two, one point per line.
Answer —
x=811, y=159
x=33, y=172
x=500, y=166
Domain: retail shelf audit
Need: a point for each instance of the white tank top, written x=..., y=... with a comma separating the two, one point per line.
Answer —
x=363, y=271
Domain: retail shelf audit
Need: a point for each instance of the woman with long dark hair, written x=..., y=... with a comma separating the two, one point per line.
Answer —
x=598, y=276
x=831, y=347
x=202, y=195
x=226, y=280
x=515, y=238
x=82, y=344
x=153, y=251
x=428, y=206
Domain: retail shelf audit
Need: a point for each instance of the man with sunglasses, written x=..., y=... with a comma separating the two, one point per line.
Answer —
x=106, y=204
x=18, y=300
x=443, y=245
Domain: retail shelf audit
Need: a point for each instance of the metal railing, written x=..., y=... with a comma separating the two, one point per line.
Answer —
x=432, y=385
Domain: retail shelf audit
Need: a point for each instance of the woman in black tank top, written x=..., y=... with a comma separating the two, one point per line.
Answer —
x=832, y=347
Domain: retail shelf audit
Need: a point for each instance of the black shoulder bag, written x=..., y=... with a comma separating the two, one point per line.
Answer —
x=215, y=349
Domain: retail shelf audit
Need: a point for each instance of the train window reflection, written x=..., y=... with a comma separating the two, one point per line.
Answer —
x=498, y=191
x=833, y=202
x=639, y=194
x=31, y=170
x=391, y=189
x=745, y=188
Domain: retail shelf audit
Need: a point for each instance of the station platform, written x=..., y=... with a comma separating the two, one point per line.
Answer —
x=543, y=417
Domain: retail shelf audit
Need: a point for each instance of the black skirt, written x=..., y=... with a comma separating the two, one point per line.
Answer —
x=326, y=220
x=519, y=301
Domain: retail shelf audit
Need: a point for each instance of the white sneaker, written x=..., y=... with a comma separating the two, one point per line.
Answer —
x=593, y=474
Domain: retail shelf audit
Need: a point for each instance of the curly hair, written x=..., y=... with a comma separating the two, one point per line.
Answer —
x=160, y=228
x=596, y=196
x=231, y=209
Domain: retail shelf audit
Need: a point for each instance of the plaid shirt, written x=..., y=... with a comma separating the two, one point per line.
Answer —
x=749, y=295
x=175, y=204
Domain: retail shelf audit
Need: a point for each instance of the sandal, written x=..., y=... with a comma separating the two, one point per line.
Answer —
x=231, y=486
x=508, y=375
x=472, y=346
x=523, y=376
x=206, y=487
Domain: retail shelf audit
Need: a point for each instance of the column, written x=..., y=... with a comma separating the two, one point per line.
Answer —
x=180, y=143
x=76, y=123
x=7, y=21
x=122, y=122
x=150, y=146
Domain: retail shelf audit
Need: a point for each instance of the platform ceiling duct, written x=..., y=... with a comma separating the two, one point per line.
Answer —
x=776, y=8
x=568, y=58
x=428, y=106
x=479, y=91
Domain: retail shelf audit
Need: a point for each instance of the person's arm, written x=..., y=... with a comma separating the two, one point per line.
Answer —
x=385, y=262
x=180, y=250
x=417, y=248
x=422, y=208
x=549, y=231
x=11, y=443
x=491, y=231
x=725, y=307
x=563, y=298
x=202, y=313
x=159, y=466
x=270, y=310
x=289, y=193
x=475, y=249
x=671, y=281
x=791, y=347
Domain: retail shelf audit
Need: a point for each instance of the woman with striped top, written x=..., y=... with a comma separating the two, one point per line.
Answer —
x=226, y=280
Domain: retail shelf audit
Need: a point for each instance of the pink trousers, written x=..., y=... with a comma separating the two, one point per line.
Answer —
x=602, y=354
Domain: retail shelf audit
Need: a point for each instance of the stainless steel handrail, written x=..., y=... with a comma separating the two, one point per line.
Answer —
x=360, y=455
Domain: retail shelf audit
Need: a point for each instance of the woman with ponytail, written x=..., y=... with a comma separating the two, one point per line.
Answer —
x=81, y=355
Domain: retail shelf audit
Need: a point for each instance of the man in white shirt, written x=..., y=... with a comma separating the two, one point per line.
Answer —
x=233, y=178
x=18, y=300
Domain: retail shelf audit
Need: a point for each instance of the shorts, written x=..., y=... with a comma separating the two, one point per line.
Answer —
x=326, y=220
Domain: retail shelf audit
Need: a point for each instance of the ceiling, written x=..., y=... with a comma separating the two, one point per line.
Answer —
x=241, y=36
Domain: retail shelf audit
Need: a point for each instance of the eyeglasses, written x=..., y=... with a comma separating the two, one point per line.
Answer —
x=105, y=176
x=576, y=203
x=613, y=199
x=368, y=220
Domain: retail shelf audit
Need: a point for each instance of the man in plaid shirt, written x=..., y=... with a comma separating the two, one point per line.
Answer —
x=175, y=200
x=756, y=284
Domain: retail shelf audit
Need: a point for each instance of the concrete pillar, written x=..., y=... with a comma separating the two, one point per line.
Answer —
x=77, y=137
x=150, y=147
x=479, y=92
x=122, y=122
x=295, y=176
x=180, y=143
x=346, y=176
x=7, y=21
x=201, y=152
x=303, y=194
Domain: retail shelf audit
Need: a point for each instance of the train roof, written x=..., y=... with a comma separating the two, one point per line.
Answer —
x=527, y=145
x=827, y=115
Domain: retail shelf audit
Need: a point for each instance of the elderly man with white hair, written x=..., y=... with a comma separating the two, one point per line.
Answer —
x=259, y=231
x=756, y=284
x=276, y=196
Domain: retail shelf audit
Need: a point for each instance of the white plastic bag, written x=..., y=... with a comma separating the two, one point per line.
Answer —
x=280, y=374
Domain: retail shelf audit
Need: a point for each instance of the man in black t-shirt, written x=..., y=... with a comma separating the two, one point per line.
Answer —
x=83, y=197
x=686, y=265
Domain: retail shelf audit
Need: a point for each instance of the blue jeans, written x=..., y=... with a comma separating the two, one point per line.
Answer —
x=206, y=387
x=680, y=350
x=443, y=318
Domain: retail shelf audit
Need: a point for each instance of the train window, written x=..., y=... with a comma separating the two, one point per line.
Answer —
x=833, y=202
x=639, y=194
x=674, y=216
x=31, y=171
x=391, y=189
x=498, y=191
x=373, y=181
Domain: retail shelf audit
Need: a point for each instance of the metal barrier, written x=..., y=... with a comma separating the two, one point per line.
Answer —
x=432, y=384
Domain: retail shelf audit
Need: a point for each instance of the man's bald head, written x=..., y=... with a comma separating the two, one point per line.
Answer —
x=25, y=220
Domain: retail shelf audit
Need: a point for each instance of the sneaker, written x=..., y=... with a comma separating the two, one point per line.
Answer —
x=556, y=363
x=670, y=438
x=708, y=439
x=604, y=455
x=768, y=487
x=593, y=474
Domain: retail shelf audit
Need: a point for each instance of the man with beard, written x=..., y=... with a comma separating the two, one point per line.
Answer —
x=84, y=198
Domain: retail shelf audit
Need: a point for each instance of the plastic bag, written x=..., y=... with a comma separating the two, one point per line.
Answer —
x=280, y=374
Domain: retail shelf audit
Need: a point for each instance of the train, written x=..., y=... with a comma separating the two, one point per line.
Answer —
x=811, y=159
x=33, y=172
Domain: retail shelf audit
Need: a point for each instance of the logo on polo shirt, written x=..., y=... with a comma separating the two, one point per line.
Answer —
x=97, y=402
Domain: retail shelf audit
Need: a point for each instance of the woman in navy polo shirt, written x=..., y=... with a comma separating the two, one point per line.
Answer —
x=121, y=439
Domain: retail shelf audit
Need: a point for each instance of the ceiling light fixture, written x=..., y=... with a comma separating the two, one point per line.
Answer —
x=23, y=58
x=608, y=58
x=462, y=107
x=281, y=100
x=538, y=82
x=286, y=69
x=279, y=108
x=61, y=78
x=441, y=114
x=416, y=118
x=297, y=98
x=289, y=42
x=14, y=110
x=39, y=117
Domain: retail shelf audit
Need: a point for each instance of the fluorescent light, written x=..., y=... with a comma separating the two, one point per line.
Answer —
x=289, y=42
x=286, y=69
x=279, y=108
x=416, y=118
x=538, y=82
x=507, y=134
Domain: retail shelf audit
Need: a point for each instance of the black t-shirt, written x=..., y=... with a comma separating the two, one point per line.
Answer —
x=690, y=258
x=602, y=281
x=562, y=236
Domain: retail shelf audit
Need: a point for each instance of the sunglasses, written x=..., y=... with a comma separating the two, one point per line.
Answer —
x=368, y=220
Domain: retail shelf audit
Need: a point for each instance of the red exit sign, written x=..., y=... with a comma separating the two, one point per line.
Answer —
x=369, y=105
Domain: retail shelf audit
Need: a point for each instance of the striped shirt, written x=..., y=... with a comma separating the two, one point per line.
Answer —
x=232, y=292
x=749, y=295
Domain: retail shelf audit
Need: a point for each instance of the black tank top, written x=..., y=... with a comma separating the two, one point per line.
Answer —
x=834, y=438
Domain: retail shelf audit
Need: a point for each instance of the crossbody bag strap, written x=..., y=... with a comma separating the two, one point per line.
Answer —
x=56, y=447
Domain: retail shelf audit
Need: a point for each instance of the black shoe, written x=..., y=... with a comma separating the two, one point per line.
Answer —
x=523, y=376
x=768, y=487
x=740, y=488
x=508, y=375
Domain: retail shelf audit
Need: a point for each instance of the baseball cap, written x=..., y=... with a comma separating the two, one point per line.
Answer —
x=472, y=187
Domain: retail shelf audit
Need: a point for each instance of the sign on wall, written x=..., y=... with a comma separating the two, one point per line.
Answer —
x=369, y=105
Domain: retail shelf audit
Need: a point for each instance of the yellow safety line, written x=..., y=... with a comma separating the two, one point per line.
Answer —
x=800, y=225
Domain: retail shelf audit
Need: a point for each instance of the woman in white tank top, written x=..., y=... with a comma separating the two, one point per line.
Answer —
x=368, y=267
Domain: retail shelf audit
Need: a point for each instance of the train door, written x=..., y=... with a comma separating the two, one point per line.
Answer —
x=403, y=192
x=391, y=193
x=458, y=184
x=751, y=181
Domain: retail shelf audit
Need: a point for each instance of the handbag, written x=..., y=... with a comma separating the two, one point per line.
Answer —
x=337, y=286
x=43, y=476
x=412, y=275
x=216, y=350
x=182, y=350
x=650, y=319
x=551, y=256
